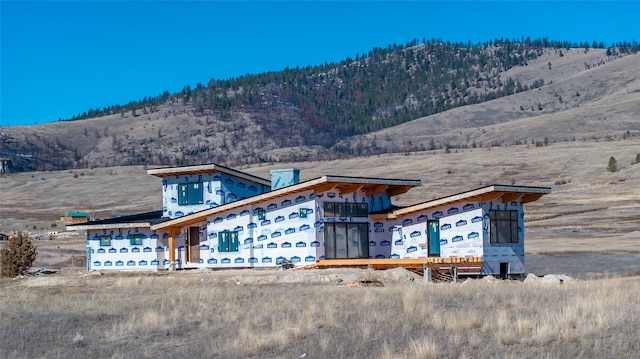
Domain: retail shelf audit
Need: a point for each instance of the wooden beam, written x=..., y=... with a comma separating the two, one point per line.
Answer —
x=431, y=262
x=382, y=216
x=172, y=246
x=510, y=196
x=531, y=197
x=324, y=187
x=398, y=190
x=370, y=191
x=344, y=190
x=491, y=196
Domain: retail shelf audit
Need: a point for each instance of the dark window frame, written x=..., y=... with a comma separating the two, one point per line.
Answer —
x=503, y=226
x=345, y=209
x=136, y=239
x=228, y=241
x=191, y=193
x=105, y=240
x=333, y=229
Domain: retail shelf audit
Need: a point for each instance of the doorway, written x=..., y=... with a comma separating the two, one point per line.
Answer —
x=192, y=245
x=433, y=236
x=346, y=240
x=504, y=270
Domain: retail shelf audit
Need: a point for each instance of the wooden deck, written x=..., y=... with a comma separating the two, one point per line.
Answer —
x=418, y=263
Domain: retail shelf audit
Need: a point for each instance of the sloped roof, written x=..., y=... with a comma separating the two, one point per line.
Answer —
x=325, y=183
x=489, y=193
x=206, y=169
x=146, y=219
x=75, y=214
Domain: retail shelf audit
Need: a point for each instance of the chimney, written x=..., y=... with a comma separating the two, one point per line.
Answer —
x=284, y=177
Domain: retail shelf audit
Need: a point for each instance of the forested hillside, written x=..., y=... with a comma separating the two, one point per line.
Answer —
x=302, y=113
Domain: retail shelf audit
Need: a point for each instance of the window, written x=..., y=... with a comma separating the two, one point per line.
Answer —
x=135, y=239
x=338, y=209
x=346, y=240
x=190, y=193
x=228, y=241
x=504, y=226
x=105, y=240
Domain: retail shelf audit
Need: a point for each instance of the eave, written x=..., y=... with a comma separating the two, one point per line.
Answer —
x=207, y=169
x=86, y=226
x=504, y=193
x=318, y=185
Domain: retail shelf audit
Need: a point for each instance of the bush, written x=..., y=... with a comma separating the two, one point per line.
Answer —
x=613, y=165
x=18, y=256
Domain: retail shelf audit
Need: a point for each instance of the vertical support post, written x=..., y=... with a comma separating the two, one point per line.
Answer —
x=172, y=250
x=455, y=274
x=426, y=273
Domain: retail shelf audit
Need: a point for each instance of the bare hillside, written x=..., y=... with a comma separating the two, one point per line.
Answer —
x=601, y=103
x=313, y=114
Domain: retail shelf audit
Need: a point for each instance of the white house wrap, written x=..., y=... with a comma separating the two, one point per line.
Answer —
x=217, y=217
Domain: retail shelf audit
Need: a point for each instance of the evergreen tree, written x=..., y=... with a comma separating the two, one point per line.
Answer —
x=18, y=256
x=613, y=165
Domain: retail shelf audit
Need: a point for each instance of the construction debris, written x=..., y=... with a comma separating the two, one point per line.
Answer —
x=38, y=271
x=365, y=283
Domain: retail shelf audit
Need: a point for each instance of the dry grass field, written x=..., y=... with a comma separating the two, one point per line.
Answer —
x=586, y=228
x=218, y=315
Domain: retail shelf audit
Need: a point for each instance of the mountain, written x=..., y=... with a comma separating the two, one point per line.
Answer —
x=579, y=103
x=402, y=98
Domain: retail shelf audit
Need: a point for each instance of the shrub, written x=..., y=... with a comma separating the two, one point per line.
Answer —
x=18, y=256
x=613, y=165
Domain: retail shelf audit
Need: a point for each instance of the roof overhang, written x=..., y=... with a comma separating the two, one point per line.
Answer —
x=139, y=220
x=86, y=226
x=504, y=193
x=325, y=183
x=206, y=169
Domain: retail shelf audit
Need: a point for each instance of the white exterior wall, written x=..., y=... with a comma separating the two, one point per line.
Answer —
x=464, y=232
x=282, y=235
x=218, y=189
x=410, y=238
x=496, y=253
x=379, y=244
x=382, y=235
x=121, y=255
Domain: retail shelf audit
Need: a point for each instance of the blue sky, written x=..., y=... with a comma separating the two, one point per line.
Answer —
x=58, y=59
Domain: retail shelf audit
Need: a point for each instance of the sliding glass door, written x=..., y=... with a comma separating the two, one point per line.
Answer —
x=346, y=240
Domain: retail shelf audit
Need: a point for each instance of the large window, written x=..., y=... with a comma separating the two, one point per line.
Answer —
x=504, y=226
x=190, y=193
x=346, y=240
x=105, y=240
x=341, y=209
x=228, y=241
x=135, y=239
